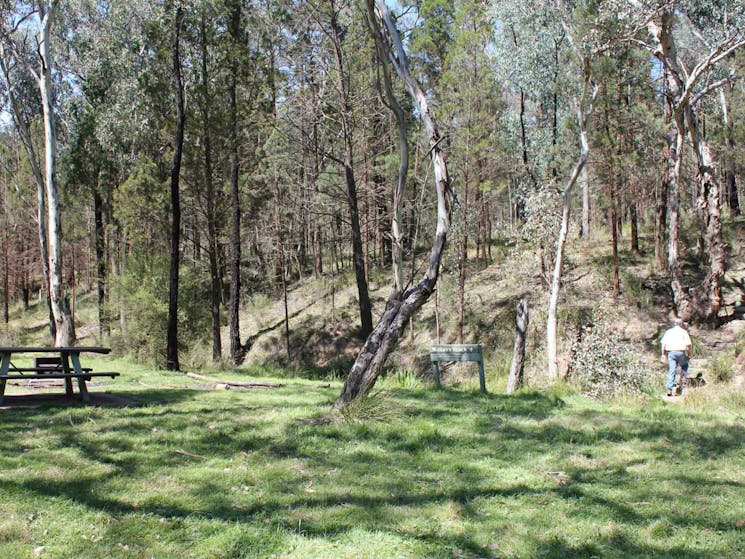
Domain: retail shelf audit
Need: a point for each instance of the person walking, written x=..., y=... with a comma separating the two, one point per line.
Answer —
x=676, y=351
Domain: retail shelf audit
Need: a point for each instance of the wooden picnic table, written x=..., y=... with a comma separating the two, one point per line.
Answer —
x=66, y=367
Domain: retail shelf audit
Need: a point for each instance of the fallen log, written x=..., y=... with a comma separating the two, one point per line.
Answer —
x=242, y=383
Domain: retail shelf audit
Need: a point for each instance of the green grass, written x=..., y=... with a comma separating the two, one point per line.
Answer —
x=191, y=473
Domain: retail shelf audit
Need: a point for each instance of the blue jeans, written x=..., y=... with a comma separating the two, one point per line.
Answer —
x=675, y=358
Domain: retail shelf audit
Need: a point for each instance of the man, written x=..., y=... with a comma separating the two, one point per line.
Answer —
x=676, y=350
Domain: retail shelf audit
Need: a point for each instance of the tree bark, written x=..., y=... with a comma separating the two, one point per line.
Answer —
x=522, y=320
x=586, y=209
x=172, y=360
x=403, y=152
x=400, y=307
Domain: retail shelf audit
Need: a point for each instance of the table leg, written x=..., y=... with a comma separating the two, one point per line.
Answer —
x=82, y=388
x=482, y=378
x=4, y=371
x=66, y=369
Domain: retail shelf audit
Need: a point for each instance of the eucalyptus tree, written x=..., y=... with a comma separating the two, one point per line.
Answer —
x=584, y=104
x=22, y=21
x=718, y=32
x=402, y=305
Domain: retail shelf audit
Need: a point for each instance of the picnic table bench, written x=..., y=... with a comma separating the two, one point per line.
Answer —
x=456, y=352
x=65, y=365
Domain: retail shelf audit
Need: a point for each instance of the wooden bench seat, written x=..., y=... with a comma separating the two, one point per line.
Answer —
x=44, y=370
x=57, y=375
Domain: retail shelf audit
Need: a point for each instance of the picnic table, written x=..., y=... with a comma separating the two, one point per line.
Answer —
x=64, y=364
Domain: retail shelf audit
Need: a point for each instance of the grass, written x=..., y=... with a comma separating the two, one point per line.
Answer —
x=194, y=473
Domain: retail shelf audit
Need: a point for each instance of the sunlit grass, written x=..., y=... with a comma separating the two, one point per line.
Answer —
x=190, y=472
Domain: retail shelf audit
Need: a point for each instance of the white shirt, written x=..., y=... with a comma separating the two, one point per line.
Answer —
x=675, y=339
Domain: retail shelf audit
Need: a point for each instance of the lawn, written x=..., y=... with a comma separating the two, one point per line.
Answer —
x=190, y=472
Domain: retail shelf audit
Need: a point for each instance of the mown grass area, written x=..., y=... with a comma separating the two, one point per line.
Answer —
x=190, y=472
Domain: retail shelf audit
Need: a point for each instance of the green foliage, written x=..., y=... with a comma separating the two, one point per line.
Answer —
x=376, y=406
x=404, y=378
x=604, y=367
x=722, y=368
x=143, y=296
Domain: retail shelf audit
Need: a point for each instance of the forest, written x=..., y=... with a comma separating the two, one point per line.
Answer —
x=177, y=160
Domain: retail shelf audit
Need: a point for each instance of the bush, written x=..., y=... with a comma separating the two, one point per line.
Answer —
x=722, y=368
x=143, y=295
x=604, y=366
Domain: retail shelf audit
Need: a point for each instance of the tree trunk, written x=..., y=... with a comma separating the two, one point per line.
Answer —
x=358, y=254
x=522, y=320
x=25, y=134
x=237, y=351
x=400, y=307
x=172, y=360
x=661, y=211
x=586, y=209
x=700, y=304
x=209, y=189
x=463, y=259
x=730, y=183
x=104, y=328
x=64, y=329
x=589, y=92
x=403, y=152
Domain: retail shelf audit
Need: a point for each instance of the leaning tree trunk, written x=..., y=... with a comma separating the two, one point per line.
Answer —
x=522, y=320
x=172, y=361
x=589, y=92
x=400, y=307
x=403, y=151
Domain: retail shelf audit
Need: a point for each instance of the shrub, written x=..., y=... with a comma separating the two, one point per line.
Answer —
x=143, y=296
x=722, y=368
x=376, y=406
x=604, y=366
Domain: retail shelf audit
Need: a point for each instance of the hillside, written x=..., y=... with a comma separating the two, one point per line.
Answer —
x=324, y=341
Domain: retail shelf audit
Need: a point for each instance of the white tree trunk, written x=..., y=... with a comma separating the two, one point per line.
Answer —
x=25, y=133
x=584, y=111
x=62, y=319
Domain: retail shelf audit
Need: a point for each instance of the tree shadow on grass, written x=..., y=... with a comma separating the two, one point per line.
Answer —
x=370, y=476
